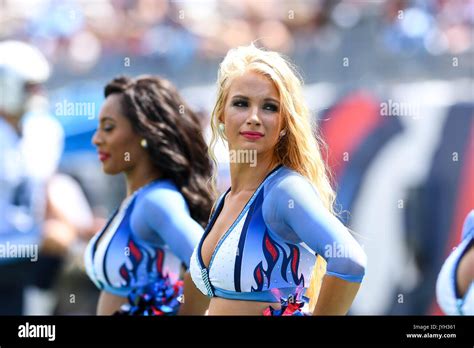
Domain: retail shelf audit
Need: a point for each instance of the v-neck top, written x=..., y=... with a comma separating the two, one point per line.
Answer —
x=271, y=248
x=151, y=235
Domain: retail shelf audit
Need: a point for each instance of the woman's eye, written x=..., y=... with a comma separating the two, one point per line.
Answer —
x=270, y=107
x=107, y=128
x=240, y=103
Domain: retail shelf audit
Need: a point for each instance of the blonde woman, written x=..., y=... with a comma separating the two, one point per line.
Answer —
x=267, y=230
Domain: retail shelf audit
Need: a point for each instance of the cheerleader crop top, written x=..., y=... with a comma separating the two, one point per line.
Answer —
x=151, y=234
x=271, y=247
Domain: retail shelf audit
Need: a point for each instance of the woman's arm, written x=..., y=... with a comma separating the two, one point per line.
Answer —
x=166, y=213
x=195, y=302
x=336, y=296
x=296, y=205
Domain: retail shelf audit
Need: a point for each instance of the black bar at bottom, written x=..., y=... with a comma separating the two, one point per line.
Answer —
x=136, y=331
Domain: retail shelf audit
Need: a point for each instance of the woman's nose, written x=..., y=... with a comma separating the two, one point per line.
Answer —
x=253, y=117
x=95, y=138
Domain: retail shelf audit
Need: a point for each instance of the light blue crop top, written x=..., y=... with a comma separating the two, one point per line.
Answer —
x=271, y=247
x=151, y=234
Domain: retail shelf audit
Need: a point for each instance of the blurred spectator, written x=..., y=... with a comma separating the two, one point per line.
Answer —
x=30, y=146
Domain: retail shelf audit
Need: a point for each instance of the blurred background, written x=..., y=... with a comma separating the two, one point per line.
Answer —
x=389, y=83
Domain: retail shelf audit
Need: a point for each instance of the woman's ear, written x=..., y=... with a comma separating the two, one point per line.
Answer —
x=221, y=121
x=284, y=127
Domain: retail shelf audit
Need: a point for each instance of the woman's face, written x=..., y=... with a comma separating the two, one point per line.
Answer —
x=252, y=116
x=118, y=146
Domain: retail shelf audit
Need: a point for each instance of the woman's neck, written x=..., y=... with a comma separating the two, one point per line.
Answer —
x=139, y=176
x=244, y=177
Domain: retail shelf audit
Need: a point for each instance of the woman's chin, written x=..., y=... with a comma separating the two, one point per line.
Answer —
x=109, y=170
x=248, y=146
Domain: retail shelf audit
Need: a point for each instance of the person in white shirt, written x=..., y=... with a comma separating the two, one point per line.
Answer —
x=31, y=143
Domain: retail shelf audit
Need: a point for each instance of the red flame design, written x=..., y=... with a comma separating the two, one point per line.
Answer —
x=125, y=274
x=271, y=252
x=136, y=257
x=135, y=252
x=295, y=255
x=295, y=259
x=270, y=247
x=258, y=275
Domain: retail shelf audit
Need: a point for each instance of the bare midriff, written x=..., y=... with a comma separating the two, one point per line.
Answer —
x=222, y=306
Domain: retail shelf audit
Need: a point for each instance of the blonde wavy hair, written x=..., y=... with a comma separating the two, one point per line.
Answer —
x=300, y=148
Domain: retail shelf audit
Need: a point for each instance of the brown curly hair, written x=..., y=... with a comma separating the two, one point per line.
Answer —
x=174, y=136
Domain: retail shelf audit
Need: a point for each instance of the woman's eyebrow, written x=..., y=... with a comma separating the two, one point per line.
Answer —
x=272, y=100
x=239, y=96
x=106, y=118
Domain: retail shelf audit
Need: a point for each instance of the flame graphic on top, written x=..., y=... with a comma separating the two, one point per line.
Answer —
x=135, y=257
x=125, y=274
x=272, y=252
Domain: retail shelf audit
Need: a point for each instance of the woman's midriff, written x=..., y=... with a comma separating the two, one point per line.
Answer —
x=222, y=306
x=109, y=304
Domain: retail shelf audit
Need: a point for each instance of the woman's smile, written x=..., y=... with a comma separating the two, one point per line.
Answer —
x=251, y=135
x=103, y=156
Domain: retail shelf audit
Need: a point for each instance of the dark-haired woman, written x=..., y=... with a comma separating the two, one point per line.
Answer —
x=147, y=132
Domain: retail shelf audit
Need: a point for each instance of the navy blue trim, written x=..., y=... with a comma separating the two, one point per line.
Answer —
x=99, y=284
x=151, y=260
x=239, y=256
x=113, y=216
x=213, y=220
x=216, y=214
x=94, y=248
x=125, y=219
x=209, y=227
